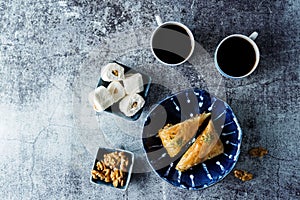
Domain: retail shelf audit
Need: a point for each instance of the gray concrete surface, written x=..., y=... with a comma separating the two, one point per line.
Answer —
x=50, y=56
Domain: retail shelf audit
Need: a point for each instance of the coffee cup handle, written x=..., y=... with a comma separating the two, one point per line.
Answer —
x=158, y=20
x=253, y=36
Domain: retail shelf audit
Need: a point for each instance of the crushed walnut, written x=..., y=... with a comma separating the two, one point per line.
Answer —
x=134, y=105
x=258, y=152
x=112, y=168
x=115, y=72
x=115, y=91
x=254, y=152
x=243, y=175
x=116, y=160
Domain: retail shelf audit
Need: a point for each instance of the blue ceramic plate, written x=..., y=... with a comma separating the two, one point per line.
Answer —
x=177, y=108
x=115, y=107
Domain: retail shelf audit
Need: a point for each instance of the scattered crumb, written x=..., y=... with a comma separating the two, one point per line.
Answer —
x=258, y=152
x=243, y=175
x=254, y=152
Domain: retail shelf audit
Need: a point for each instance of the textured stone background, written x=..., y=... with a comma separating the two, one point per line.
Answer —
x=49, y=51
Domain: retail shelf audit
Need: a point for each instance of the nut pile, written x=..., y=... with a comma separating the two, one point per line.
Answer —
x=116, y=160
x=112, y=168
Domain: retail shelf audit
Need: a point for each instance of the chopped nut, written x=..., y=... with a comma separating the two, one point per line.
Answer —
x=115, y=91
x=101, y=176
x=243, y=175
x=107, y=179
x=258, y=152
x=122, y=154
x=94, y=174
x=112, y=176
x=115, y=160
x=122, y=183
x=134, y=105
x=115, y=183
x=106, y=172
x=116, y=173
x=99, y=166
x=95, y=107
x=115, y=72
x=124, y=164
x=104, y=166
x=121, y=174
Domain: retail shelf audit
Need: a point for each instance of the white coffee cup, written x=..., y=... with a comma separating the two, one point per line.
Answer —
x=234, y=58
x=172, y=43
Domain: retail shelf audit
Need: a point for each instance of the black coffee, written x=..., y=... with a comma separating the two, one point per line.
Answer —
x=171, y=44
x=236, y=57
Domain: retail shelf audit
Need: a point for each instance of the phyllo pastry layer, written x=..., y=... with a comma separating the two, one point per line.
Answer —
x=174, y=137
x=206, y=146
